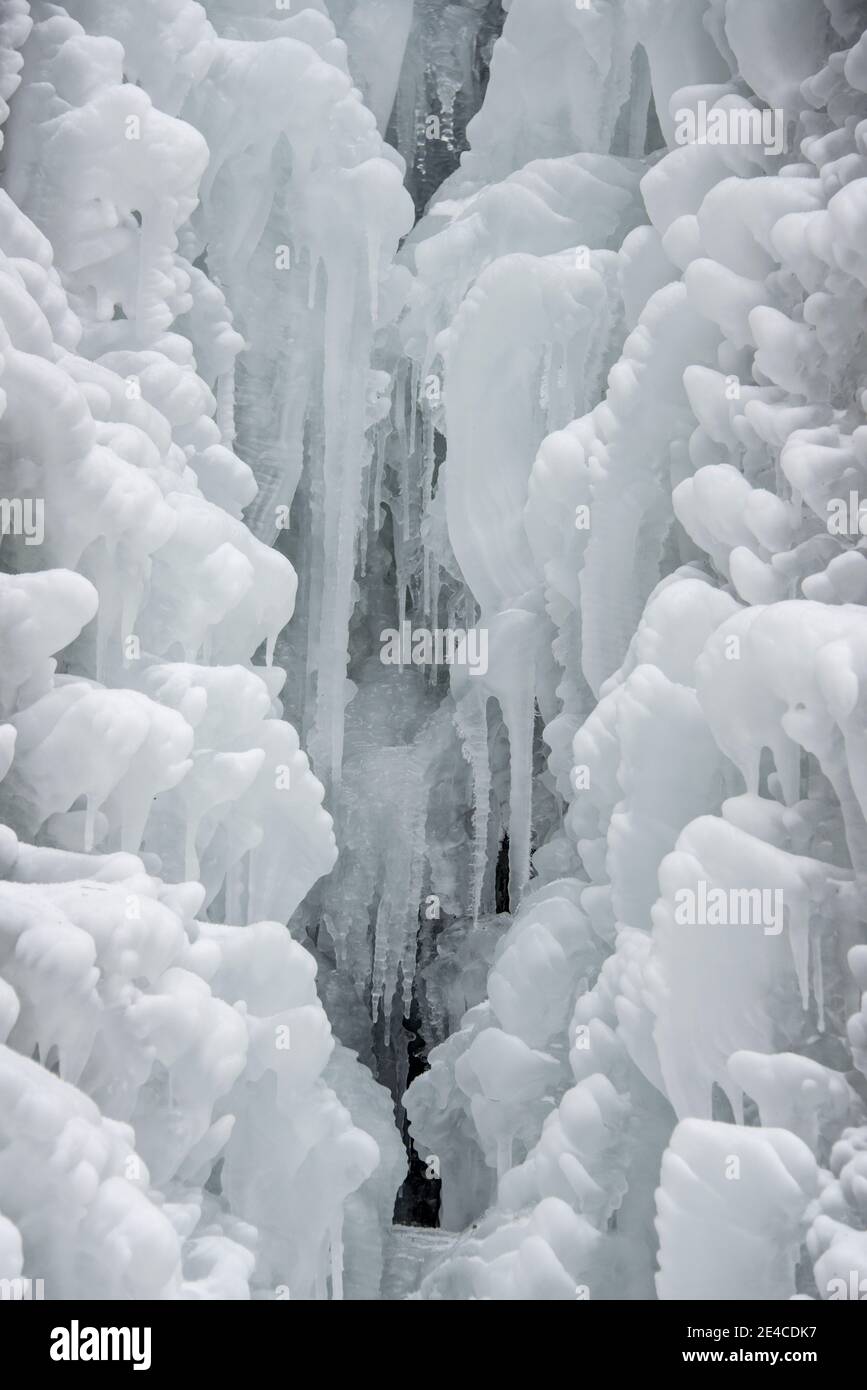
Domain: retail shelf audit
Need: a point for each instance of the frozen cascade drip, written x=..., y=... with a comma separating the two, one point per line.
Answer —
x=472, y=721
x=323, y=235
x=359, y=316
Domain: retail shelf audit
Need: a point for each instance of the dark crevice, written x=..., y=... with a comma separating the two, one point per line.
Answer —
x=418, y=1200
x=501, y=877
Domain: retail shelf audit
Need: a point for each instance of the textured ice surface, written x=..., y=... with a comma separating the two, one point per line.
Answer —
x=600, y=404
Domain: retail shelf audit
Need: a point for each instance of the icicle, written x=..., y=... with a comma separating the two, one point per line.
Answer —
x=425, y=603
x=365, y=530
x=818, y=980
x=401, y=873
x=347, y=351
x=378, y=964
x=416, y=883
x=472, y=723
x=404, y=485
x=435, y=587
x=519, y=712
x=379, y=469
x=452, y=613
x=427, y=499
x=402, y=391
x=415, y=386
x=401, y=602
x=799, y=944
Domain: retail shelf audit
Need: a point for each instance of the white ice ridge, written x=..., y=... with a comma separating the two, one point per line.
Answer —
x=603, y=408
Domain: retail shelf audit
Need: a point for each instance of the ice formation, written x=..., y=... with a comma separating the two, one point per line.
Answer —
x=322, y=320
x=634, y=1084
x=177, y=1116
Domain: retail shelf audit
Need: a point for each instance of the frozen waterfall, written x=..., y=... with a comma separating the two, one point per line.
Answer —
x=433, y=614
